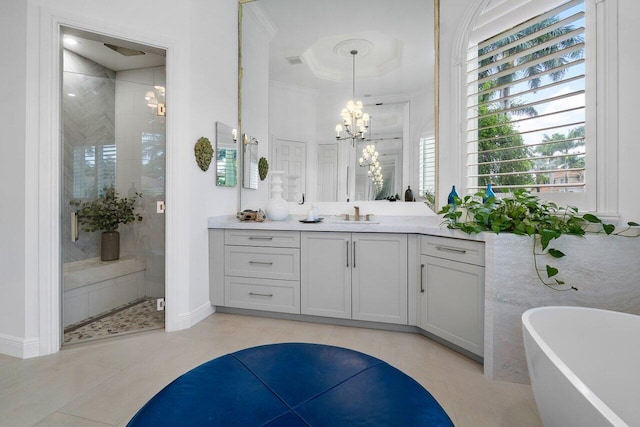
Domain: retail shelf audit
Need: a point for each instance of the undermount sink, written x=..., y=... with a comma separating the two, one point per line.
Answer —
x=344, y=221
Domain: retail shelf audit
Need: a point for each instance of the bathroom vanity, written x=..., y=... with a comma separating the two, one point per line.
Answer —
x=400, y=273
x=468, y=292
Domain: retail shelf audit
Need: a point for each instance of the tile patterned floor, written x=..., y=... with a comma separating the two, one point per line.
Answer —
x=104, y=383
x=134, y=317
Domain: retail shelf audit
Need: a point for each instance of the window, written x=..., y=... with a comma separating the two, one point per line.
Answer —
x=94, y=168
x=526, y=105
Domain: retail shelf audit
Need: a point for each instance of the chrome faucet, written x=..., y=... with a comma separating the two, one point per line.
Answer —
x=357, y=216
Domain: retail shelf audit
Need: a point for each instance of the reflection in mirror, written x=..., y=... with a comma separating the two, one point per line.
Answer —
x=226, y=156
x=250, y=162
x=379, y=174
x=299, y=72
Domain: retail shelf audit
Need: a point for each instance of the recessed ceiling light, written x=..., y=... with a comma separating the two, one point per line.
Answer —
x=70, y=41
x=71, y=94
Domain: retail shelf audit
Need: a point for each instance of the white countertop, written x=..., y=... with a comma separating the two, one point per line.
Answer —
x=431, y=225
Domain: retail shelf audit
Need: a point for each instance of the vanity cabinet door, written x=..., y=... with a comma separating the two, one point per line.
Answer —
x=379, y=277
x=452, y=302
x=325, y=274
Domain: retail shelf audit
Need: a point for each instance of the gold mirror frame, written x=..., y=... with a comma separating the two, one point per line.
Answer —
x=436, y=98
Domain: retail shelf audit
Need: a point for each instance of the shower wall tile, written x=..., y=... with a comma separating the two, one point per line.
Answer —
x=88, y=119
x=110, y=108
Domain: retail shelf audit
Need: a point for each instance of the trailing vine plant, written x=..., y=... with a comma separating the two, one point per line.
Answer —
x=524, y=214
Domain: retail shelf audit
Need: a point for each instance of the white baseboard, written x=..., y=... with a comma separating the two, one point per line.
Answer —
x=187, y=320
x=24, y=348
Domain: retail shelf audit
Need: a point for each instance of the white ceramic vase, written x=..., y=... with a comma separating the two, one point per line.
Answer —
x=277, y=208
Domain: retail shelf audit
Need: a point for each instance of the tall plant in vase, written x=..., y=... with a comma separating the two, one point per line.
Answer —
x=105, y=214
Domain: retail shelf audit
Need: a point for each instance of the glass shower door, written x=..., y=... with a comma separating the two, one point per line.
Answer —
x=113, y=135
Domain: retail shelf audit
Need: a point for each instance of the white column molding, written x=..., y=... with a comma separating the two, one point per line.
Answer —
x=607, y=90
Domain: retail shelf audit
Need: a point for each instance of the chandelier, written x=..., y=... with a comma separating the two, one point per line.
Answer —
x=370, y=159
x=354, y=122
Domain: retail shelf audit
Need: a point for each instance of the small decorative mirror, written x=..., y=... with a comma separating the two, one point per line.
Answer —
x=250, y=164
x=226, y=156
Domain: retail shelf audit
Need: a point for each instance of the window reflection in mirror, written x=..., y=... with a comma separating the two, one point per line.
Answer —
x=226, y=156
x=298, y=74
x=250, y=159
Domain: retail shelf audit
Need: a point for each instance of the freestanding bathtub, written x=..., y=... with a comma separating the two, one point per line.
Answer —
x=584, y=365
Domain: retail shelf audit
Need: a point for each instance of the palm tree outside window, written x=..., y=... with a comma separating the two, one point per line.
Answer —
x=526, y=105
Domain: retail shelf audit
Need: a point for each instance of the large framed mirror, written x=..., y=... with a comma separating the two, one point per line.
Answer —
x=298, y=72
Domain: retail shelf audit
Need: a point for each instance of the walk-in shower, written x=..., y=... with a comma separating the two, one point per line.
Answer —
x=113, y=135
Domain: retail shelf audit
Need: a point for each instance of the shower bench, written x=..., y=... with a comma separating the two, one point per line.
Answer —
x=92, y=286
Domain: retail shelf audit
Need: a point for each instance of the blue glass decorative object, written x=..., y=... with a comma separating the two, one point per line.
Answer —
x=488, y=194
x=452, y=196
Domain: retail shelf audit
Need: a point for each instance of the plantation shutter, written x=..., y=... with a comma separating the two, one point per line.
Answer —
x=526, y=105
x=94, y=168
x=427, y=165
x=106, y=166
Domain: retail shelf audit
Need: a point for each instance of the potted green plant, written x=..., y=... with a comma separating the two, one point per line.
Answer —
x=525, y=214
x=105, y=214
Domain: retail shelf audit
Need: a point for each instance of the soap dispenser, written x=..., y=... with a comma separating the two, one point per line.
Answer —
x=311, y=216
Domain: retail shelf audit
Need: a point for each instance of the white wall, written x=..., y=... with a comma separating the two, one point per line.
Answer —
x=456, y=13
x=213, y=76
x=13, y=18
x=201, y=77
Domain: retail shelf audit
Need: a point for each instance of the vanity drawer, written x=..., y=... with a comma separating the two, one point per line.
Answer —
x=265, y=263
x=280, y=239
x=262, y=294
x=466, y=251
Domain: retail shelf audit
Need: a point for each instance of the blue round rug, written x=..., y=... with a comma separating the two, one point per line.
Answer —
x=293, y=384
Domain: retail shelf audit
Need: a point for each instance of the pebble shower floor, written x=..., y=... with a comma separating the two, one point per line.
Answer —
x=138, y=316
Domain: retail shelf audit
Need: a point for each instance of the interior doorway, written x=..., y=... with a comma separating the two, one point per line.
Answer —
x=291, y=157
x=113, y=105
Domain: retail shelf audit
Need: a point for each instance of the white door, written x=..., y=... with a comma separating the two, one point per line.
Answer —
x=325, y=283
x=328, y=173
x=379, y=277
x=290, y=156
